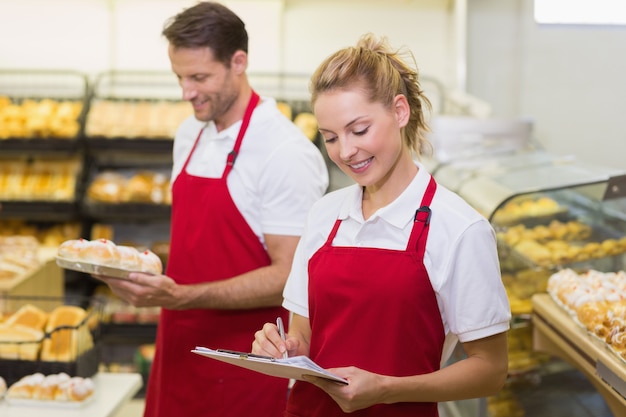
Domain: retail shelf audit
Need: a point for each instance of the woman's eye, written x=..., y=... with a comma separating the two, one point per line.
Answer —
x=330, y=140
x=361, y=132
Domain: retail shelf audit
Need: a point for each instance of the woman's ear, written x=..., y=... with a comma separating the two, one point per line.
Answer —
x=401, y=109
x=239, y=62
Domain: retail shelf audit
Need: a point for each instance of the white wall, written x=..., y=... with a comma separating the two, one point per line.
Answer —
x=285, y=35
x=568, y=78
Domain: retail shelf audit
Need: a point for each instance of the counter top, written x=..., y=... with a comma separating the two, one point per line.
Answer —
x=112, y=391
x=555, y=332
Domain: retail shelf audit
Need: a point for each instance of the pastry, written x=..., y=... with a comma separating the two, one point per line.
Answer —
x=129, y=257
x=150, y=262
x=72, y=249
x=24, y=387
x=101, y=252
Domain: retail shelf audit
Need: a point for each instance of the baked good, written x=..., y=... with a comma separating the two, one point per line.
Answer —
x=79, y=389
x=69, y=335
x=25, y=386
x=129, y=257
x=150, y=262
x=72, y=249
x=107, y=187
x=101, y=252
x=30, y=316
x=46, y=389
x=19, y=342
x=3, y=387
x=307, y=123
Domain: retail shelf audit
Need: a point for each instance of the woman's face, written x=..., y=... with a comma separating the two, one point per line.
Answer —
x=210, y=86
x=362, y=138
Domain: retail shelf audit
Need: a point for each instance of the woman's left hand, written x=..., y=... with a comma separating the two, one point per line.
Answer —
x=363, y=389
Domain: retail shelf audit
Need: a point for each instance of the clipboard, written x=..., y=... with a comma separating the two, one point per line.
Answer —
x=293, y=368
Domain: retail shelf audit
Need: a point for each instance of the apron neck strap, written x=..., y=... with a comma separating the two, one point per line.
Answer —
x=245, y=122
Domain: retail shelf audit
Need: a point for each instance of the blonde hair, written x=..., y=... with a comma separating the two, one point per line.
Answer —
x=383, y=74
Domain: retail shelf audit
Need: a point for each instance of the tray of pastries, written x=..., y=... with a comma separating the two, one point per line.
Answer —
x=104, y=257
x=52, y=390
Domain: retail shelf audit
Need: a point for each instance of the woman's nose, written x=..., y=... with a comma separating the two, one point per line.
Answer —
x=346, y=149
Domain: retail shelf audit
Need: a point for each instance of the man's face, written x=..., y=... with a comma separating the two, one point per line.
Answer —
x=209, y=85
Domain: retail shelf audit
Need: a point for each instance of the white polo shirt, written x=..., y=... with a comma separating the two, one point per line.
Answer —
x=278, y=174
x=461, y=256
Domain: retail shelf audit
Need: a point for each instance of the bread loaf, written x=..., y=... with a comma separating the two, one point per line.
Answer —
x=19, y=342
x=69, y=335
x=30, y=316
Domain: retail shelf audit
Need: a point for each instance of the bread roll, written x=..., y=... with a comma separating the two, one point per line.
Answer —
x=72, y=249
x=150, y=262
x=129, y=257
x=101, y=252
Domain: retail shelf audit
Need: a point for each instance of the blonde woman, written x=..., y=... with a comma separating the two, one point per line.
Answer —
x=391, y=272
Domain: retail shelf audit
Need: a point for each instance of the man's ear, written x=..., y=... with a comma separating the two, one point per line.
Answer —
x=402, y=109
x=239, y=62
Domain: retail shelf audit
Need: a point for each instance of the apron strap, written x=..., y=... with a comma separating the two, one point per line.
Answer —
x=232, y=156
x=421, y=220
x=195, y=144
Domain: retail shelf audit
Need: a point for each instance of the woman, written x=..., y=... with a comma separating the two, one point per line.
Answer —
x=392, y=271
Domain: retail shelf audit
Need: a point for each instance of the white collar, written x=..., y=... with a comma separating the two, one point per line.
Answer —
x=399, y=212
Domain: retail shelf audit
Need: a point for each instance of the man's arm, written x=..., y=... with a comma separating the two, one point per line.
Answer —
x=261, y=287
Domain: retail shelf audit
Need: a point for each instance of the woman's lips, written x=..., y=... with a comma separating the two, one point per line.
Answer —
x=361, y=166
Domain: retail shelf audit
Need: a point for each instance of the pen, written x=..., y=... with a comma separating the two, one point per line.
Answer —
x=281, y=331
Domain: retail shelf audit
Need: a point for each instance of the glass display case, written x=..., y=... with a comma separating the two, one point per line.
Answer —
x=550, y=213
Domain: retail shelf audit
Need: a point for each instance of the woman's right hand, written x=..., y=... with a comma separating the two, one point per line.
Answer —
x=267, y=342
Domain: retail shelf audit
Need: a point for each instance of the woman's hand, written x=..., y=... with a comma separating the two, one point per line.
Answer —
x=267, y=342
x=364, y=388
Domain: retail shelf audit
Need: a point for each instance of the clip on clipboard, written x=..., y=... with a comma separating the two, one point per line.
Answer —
x=295, y=367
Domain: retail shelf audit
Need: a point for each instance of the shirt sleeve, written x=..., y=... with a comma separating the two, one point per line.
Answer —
x=475, y=304
x=292, y=179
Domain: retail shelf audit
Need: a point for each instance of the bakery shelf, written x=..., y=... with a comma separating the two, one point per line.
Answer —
x=44, y=145
x=139, y=212
x=54, y=104
x=129, y=333
x=40, y=211
x=556, y=333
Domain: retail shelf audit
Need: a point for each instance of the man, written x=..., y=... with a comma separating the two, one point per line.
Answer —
x=243, y=179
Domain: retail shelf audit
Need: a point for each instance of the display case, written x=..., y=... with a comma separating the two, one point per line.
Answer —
x=549, y=212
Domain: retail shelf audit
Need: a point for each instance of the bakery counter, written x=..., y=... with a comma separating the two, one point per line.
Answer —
x=112, y=391
x=556, y=333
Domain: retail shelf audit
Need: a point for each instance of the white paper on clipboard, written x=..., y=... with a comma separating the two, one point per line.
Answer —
x=293, y=368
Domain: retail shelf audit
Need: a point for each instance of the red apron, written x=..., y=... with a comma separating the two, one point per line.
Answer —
x=211, y=241
x=374, y=309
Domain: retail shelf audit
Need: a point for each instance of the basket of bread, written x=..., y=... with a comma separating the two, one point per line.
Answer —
x=49, y=335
